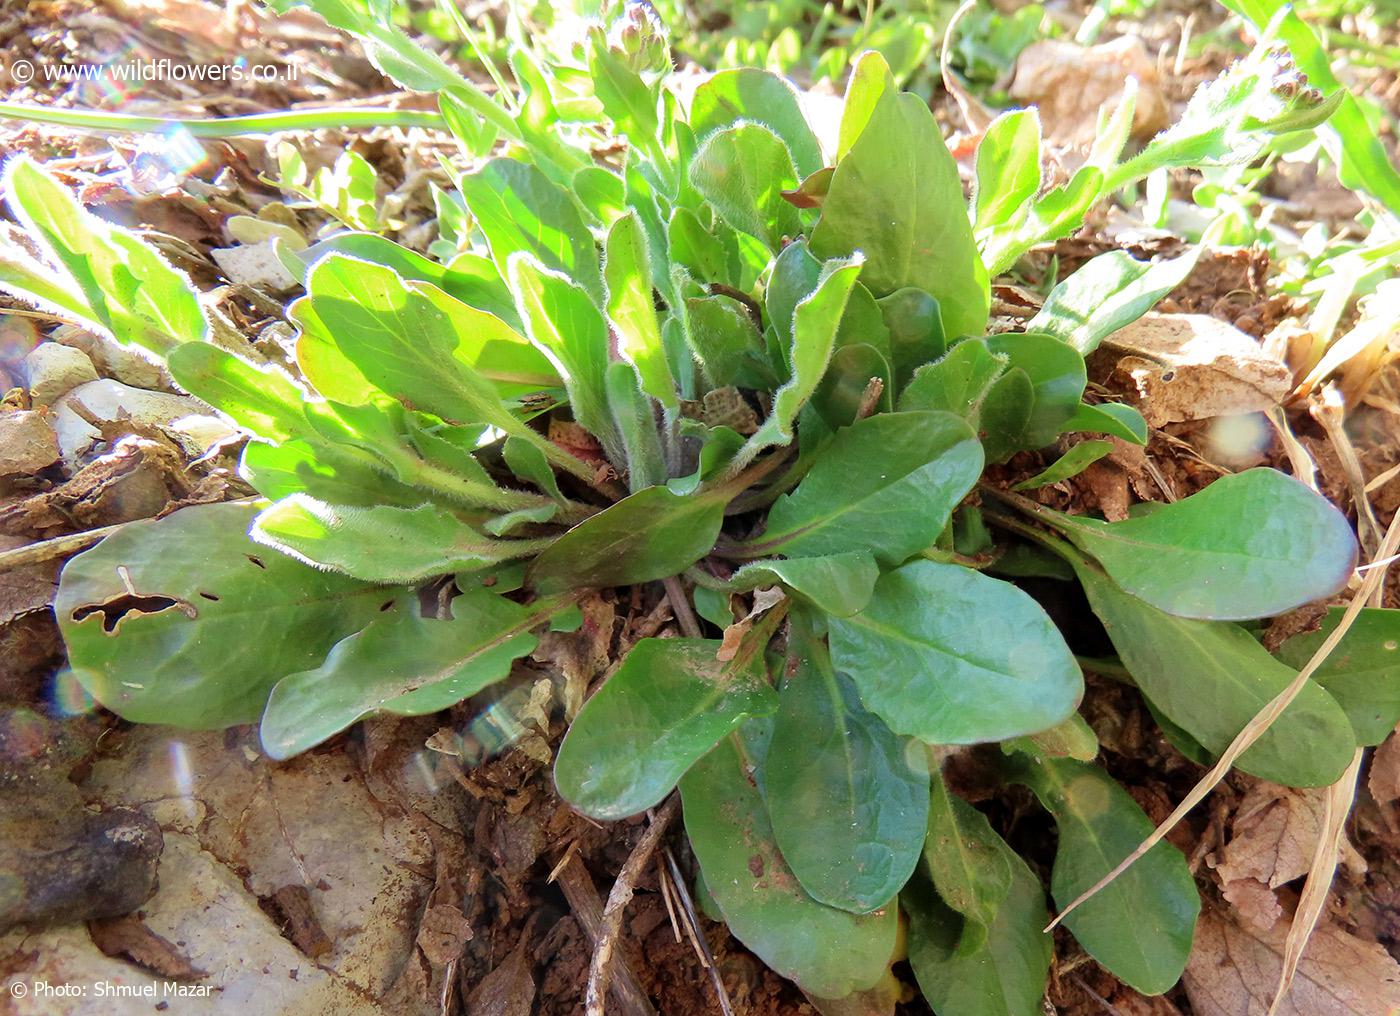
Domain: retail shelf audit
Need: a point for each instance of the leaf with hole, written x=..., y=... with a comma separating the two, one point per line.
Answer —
x=146, y=609
x=405, y=664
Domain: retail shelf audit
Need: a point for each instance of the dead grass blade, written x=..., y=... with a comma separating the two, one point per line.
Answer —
x=1323, y=869
x=1257, y=726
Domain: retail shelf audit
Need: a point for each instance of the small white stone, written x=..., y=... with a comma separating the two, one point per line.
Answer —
x=183, y=419
x=53, y=369
x=27, y=443
x=257, y=265
x=123, y=363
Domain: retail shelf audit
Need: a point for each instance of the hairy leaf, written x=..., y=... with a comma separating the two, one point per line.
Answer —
x=186, y=621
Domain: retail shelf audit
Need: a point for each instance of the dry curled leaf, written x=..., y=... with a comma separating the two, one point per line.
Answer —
x=1384, y=778
x=1234, y=970
x=128, y=937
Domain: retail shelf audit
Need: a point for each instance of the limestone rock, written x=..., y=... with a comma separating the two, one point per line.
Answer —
x=53, y=369
x=27, y=444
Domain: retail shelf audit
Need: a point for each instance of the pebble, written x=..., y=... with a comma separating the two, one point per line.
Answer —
x=27, y=443
x=112, y=359
x=54, y=369
x=256, y=265
x=183, y=419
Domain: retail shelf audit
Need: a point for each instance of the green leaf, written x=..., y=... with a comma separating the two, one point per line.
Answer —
x=121, y=285
x=412, y=341
x=327, y=472
x=1057, y=377
x=870, y=81
x=1110, y=292
x=668, y=704
x=829, y=952
x=1071, y=463
x=838, y=584
x=1112, y=418
x=815, y=322
x=602, y=192
x=381, y=543
x=742, y=171
x=958, y=383
x=635, y=417
x=518, y=208
x=699, y=250
x=1072, y=739
x=887, y=484
x=628, y=102
x=526, y=461
x=1008, y=168
x=402, y=663
x=847, y=798
x=185, y=621
x=1005, y=413
x=1211, y=678
x=1250, y=545
x=1006, y=975
x=632, y=311
x=896, y=198
x=469, y=277
x=565, y=324
x=749, y=94
x=262, y=400
x=723, y=337
x=916, y=332
x=1362, y=673
x=950, y=656
x=969, y=863
x=1139, y=926
x=651, y=534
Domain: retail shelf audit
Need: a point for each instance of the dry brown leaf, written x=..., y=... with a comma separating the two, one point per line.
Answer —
x=1384, y=779
x=128, y=937
x=1234, y=970
x=1193, y=367
x=1255, y=903
x=1274, y=832
x=1069, y=83
x=291, y=907
x=509, y=990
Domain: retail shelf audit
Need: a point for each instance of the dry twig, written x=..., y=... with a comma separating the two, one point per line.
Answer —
x=599, y=971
